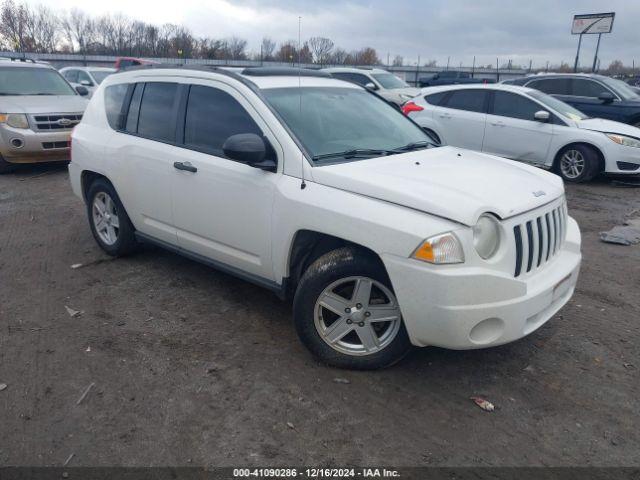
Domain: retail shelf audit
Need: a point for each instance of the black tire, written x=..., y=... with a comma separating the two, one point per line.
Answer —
x=591, y=163
x=340, y=264
x=126, y=242
x=6, y=167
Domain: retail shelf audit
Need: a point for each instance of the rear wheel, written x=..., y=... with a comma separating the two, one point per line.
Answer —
x=346, y=313
x=578, y=163
x=109, y=222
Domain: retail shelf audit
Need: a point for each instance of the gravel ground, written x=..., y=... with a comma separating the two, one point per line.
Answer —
x=188, y=366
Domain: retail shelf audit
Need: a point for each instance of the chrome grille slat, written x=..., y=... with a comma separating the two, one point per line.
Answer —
x=55, y=121
x=538, y=238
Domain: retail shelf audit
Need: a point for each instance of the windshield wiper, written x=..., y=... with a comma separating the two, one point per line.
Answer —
x=354, y=153
x=413, y=146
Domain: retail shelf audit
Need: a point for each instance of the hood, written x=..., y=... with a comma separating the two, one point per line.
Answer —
x=609, y=126
x=452, y=183
x=43, y=104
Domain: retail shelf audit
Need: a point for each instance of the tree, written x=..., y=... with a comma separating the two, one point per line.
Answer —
x=79, y=29
x=616, y=67
x=287, y=52
x=236, y=48
x=321, y=48
x=266, y=49
x=338, y=56
x=13, y=25
x=398, y=61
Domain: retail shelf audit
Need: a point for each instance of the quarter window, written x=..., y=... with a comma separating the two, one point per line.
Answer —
x=157, y=113
x=507, y=104
x=213, y=116
x=113, y=100
x=469, y=100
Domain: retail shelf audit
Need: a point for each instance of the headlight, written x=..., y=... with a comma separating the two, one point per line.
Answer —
x=486, y=236
x=623, y=140
x=440, y=249
x=15, y=120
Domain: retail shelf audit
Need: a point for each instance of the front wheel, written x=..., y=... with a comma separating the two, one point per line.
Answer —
x=577, y=163
x=346, y=313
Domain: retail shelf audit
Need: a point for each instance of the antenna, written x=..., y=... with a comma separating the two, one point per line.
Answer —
x=303, y=185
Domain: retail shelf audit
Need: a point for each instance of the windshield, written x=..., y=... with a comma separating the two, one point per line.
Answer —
x=33, y=81
x=622, y=89
x=558, y=106
x=100, y=75
x=390, y=81
x=336, y=122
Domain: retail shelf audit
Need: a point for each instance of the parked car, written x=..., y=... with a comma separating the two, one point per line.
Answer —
x=386, y=84
x=38, y=110
x=449, y=77
x=88, y=77
x=595, y=95
x=316, y=189
x=126, y=62
x=523, y=124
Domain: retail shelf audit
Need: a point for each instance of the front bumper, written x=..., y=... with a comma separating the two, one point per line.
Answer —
x=35, y=147
x=622, y=160
x=470, y=307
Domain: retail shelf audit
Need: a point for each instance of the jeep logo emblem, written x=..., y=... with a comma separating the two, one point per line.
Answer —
x=64, y=122
x=539, y=193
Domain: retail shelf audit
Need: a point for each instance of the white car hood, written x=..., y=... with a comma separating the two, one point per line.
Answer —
x=43, y=104
x=608, y=126
x=449, y=182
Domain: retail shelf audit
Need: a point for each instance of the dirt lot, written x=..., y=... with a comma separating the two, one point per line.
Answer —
x=194, y=367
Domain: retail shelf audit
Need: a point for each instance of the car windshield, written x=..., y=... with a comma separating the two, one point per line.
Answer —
x=100, y=75
x=622, y=89
x=338, y=124
x=33, y=81
x=558, y=106
x=390, y=81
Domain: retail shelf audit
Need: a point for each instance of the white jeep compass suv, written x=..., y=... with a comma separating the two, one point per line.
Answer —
x=316, y=188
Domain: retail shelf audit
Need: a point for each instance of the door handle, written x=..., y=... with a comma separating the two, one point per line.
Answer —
x=445, y=115
x=185, y=166
x=498, y=124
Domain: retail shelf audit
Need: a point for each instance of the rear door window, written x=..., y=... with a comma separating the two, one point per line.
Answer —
x=435, y=98
x=506, y=104
x=552, y=86
x=582, y=87
x=469, y=100
x=157, y=118
x=213, y=116
x=131, y=125
x=353, y=77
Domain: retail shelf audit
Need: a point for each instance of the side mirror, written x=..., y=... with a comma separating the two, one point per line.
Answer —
x=82, y=90
x=542, y=116
x=86, y=83
x=606, y=97
x=248, y=148
x=370, y=86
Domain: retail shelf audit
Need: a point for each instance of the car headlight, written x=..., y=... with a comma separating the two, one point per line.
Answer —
x=440, y=249
x=486, y=236
x=15, y=120
x=624, y=140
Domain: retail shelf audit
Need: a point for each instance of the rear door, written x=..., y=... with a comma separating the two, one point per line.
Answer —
x=461, y=117
x=584, y=93
x=512, y=131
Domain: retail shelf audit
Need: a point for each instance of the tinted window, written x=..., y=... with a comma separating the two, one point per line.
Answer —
x=134, y=109
x=435, y=98
x=587, y=88
x=447, y=74
x=552, y=86
x=71, y=75
x=507, y=104
x=470, y=100
x=157, y=117
x=212, y=117
x=353, y=78
x=113, y=99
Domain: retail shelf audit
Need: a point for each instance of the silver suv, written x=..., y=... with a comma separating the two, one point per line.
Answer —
x=38, y=110
x=386, y=84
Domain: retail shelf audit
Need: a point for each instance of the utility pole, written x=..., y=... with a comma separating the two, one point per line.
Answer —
x=473, y=67
x=497, y=70
x=448, y=58
x=417, y=70
x=388, y=56
x=530, y=65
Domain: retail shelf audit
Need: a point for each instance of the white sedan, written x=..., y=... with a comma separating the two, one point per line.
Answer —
x=527, y=125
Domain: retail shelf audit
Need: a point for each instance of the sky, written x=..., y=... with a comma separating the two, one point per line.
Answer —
x=517, y=30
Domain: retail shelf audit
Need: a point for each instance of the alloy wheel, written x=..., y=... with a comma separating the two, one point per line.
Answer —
x=572, y=164
x=105, y=218
x=357, y=316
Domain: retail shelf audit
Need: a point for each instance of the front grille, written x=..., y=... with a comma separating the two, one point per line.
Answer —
x=56, y=121
x=539, y=238
x=51, y=145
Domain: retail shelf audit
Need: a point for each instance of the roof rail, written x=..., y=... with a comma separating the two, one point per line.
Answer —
x=283, y=72
x=18, y=59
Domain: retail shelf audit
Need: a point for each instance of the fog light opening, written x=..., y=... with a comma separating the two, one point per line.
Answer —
x=17, y=143
x=487, y=331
